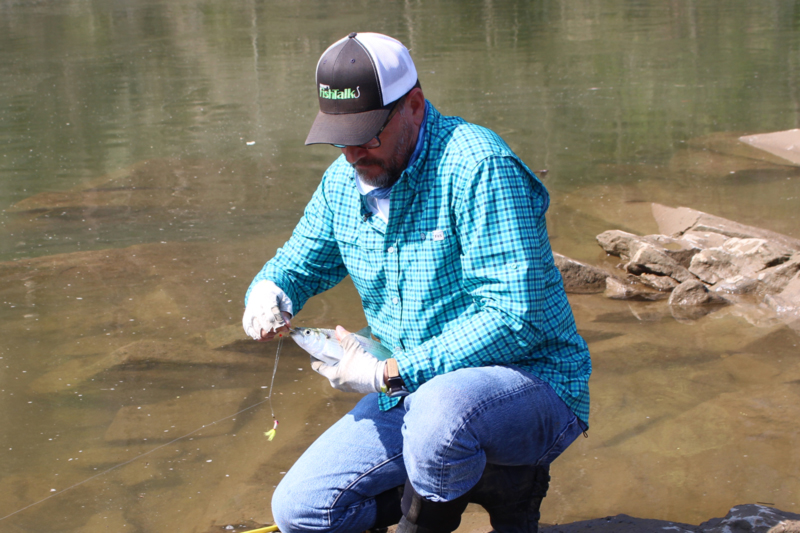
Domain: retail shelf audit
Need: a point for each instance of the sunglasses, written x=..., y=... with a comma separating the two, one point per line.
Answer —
x=375, y=142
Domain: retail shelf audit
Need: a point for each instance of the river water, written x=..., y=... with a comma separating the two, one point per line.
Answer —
x=152, y=159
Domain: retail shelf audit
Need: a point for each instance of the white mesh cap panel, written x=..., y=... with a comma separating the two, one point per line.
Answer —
x=396, y=71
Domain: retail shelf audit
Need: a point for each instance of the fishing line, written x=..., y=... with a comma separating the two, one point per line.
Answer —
x=267, y=399
x=271, y=433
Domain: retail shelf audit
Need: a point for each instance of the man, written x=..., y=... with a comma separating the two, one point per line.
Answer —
x=442, y=230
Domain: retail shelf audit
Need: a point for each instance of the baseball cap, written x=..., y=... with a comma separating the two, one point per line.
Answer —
x=359, y=78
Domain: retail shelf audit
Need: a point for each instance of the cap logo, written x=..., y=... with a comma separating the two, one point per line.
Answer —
x=326, y=92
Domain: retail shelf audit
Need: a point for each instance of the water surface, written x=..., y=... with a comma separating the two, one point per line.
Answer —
x=152, y=158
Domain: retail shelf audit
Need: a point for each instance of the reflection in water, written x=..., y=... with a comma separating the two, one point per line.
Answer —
x=151, y=160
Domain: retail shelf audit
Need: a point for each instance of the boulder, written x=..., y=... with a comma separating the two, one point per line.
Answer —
x=703, y=240
x=692, y=300
x=694, y=292
x=786, y=526
x=619, y=243
x=738, y=257
x=788, y=300
x=617, y=289
x=649, y=259
x=659, y=283
x=737, y=285
x=784, y=144
x=578, y=277
x=749, y=518
x=625, y=245
x=677, y=221
x=774, y=279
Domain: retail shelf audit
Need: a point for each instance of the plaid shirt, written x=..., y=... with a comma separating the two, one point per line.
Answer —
x=462, y=275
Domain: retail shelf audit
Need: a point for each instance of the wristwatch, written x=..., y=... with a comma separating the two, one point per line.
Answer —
x=395, y=387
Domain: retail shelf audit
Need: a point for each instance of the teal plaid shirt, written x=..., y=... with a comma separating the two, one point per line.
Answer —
x=462, y=275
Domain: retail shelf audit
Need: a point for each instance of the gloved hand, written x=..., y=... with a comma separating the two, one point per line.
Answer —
x=357, y=371
x=268, y=309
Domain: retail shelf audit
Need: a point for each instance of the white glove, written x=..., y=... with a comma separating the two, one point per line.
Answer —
x=264, y=307
x=357, y=371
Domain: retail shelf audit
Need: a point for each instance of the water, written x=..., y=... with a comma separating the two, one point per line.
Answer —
x=151, y=160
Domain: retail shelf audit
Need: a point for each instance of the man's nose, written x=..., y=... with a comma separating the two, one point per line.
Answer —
x=353, y=153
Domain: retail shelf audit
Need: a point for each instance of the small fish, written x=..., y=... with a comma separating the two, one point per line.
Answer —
x=322, y=344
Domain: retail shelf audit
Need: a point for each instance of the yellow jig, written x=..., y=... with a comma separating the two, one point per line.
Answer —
x=271, y=435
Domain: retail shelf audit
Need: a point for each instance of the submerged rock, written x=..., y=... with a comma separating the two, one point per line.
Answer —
x=579, y=277
x=677, y=221
x=784, y=144
x=175, y=418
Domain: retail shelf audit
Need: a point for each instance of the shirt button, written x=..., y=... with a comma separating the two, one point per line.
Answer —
x=392, y=249
x=395, y=300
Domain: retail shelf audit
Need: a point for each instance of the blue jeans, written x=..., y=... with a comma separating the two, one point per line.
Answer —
x=440, y=438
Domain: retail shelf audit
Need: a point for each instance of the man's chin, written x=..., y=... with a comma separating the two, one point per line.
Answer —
x=371, y=178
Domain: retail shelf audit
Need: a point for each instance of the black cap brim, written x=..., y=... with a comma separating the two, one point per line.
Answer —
x=350, y=129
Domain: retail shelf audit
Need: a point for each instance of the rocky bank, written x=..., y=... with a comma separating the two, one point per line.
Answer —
x=698, y=262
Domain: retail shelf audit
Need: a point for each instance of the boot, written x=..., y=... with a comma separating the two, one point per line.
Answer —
x=424, y=516
x=512, y=496
x=388, y=509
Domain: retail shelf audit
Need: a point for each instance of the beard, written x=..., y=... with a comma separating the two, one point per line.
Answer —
x=393, y=167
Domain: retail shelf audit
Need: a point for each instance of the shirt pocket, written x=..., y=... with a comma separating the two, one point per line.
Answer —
x=362, y=250
x=431, y=261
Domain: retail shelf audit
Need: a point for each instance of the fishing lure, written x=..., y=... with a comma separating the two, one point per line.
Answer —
x=271, y=433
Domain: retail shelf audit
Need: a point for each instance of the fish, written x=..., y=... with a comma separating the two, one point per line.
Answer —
x=322, y=344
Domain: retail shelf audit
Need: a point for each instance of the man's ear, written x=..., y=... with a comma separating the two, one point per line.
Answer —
x=416, y=104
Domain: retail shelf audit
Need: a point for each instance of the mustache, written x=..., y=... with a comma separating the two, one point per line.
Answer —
x=368, y=161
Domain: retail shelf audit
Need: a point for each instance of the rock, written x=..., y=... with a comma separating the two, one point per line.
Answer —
x=649, y=259
x=774, y=279
x=676, y=222
x=729, y=143
x=617, y=289
x=738, y=257
x=659, y=283
x=625, y=245
x=784, y=144
x=747, y=519
x=788, y=300
x=737, y=285
x=619, y=243
x=786, y=526
x=621, y=523
x=693, y=293
x=703, y=239
x=578, y=277
x=692, y=300
x=681, y=250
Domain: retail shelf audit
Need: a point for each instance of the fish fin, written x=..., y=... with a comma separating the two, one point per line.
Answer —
x=365, y=332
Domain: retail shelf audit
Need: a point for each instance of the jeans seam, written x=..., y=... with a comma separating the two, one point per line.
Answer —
x=474, y=411
x=356, y=480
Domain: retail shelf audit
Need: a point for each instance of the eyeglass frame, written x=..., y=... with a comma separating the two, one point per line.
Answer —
x=397, y=105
